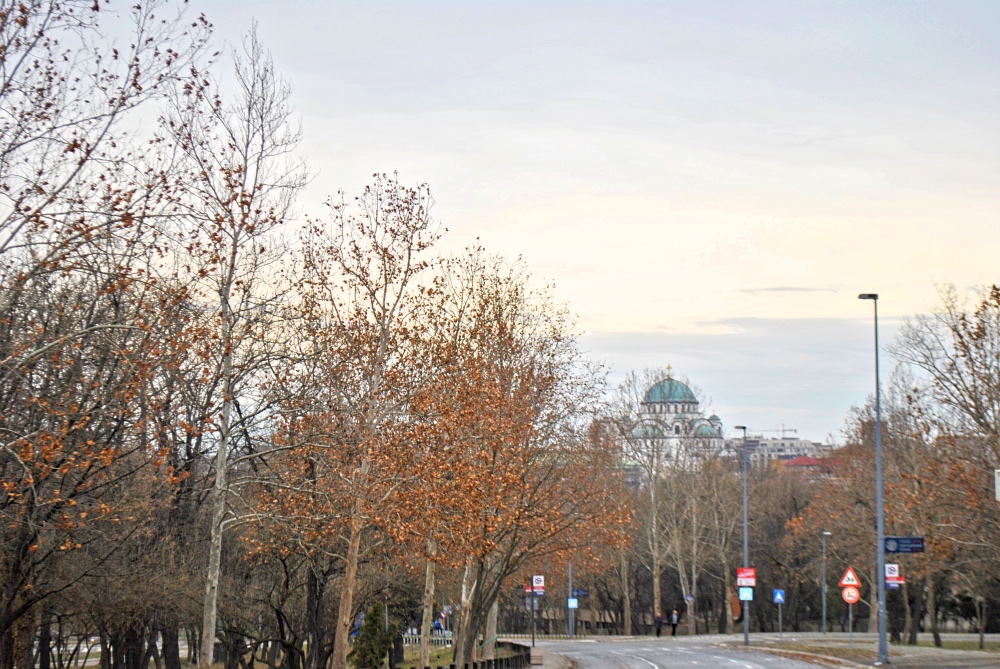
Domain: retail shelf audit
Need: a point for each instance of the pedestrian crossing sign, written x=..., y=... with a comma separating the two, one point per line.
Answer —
x=779, y=596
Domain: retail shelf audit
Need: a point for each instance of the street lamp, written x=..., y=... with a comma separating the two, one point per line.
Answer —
x=746, y=550
x=825, y=535
x=883, y=644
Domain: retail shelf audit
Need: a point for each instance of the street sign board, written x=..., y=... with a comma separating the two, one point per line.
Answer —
x=849, y=579
x=779, y=596
x=746, y=577
x=892, y=576
x=538, y=585
x=581, y=592
x=851, y=595
x=572, y=603
x=746, y=594
x=527, y=589
x=688, y=598
x=904, y=544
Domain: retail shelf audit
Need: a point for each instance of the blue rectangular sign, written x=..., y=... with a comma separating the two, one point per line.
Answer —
x=779, y=596
x=904, y=544
x=746, y=594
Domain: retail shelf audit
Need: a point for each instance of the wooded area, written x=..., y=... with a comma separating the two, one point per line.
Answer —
x=225, y=421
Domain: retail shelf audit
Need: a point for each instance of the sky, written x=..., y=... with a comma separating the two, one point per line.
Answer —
x=707, y=185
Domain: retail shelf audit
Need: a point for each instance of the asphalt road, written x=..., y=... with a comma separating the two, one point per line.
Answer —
x=666, y=653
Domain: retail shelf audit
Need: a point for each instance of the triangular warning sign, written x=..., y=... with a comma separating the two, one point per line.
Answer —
x=850, y=579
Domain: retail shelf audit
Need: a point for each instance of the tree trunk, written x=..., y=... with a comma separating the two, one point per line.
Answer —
x=489, y=638
x=727, y=597
x=428, y=620
x=626, y=596
x=220, y=491
x=45, y=643
x=315, y=627
x=171, y=647
x=657, y=589
x=464, y=643
x=907, y=613
x=982, y=622
x=932, y=609
x=344, y=613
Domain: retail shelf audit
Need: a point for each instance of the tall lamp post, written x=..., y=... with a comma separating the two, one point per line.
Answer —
x=825, y=535
x=883, y=644
x=746, y=550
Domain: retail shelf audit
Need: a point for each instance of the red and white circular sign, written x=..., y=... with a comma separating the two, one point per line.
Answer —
x=851, y=595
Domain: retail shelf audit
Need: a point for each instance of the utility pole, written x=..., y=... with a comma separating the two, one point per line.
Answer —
x=746, y=549
x=825, y=535
x=883, y=642
x=570, y=620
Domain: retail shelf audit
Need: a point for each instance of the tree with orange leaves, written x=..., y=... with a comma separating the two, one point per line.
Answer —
x=81, y=200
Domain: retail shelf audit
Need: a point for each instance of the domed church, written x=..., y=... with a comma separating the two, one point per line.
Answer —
x=671, y=422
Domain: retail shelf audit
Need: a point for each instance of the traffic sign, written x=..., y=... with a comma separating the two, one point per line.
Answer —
x=538, y=585
x=779, y=596
x=689, y=598
x=850, y=578
x=746, y=594
x=581, y=592
x=904, y=544
x=851, y=595
x=572, y=603
x=746, y=577
x=892, y=576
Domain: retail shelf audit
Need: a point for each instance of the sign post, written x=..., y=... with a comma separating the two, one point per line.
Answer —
x=850, y=584
x=537, y=588
x=779, y=599
x=570, y=603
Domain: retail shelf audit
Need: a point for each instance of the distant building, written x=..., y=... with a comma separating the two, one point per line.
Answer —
x=763, y=451
x=672, y=425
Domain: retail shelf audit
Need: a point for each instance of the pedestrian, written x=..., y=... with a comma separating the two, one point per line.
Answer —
x=674, y=619
x=658, y=623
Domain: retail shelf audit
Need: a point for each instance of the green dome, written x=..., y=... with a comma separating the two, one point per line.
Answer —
x=647, y=432
x=669, y=390
x=706, y=431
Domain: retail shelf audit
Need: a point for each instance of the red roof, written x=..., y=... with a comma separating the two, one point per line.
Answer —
x=804, y=461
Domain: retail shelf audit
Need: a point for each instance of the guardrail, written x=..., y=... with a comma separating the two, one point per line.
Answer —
x=516, y=656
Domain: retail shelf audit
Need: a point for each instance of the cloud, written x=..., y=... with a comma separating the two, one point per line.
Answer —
x=788, y=289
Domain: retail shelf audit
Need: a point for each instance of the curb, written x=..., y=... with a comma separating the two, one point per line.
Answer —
x=825, y=660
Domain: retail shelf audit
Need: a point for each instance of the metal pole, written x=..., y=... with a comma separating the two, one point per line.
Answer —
x=570, y=620
x=850, y=626
x=533, y=607
x=825, y=535
x=780, y=641
x=746, y=549
x=883, y=642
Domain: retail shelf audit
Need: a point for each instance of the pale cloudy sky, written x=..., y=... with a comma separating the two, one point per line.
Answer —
x=708, y=185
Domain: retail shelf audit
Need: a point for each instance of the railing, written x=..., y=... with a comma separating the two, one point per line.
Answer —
x=516, y=656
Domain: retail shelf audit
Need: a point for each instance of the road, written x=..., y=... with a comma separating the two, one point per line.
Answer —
x=666, y=653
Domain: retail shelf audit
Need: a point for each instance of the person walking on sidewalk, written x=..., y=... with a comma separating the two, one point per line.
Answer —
x=658, y=623
x=674, y=619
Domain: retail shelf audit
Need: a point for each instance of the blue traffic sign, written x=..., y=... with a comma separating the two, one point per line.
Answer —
x=580, y=592
x=746, y=594
x=779, y=596
x=904, y=544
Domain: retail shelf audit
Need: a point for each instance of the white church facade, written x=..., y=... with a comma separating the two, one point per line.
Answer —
x=671, y=424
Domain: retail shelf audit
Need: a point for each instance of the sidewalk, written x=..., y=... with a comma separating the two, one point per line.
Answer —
x=836, y=652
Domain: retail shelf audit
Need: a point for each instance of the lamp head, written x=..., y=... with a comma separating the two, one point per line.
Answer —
x=826, y=534
x=868, y=296
x=739, y=427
